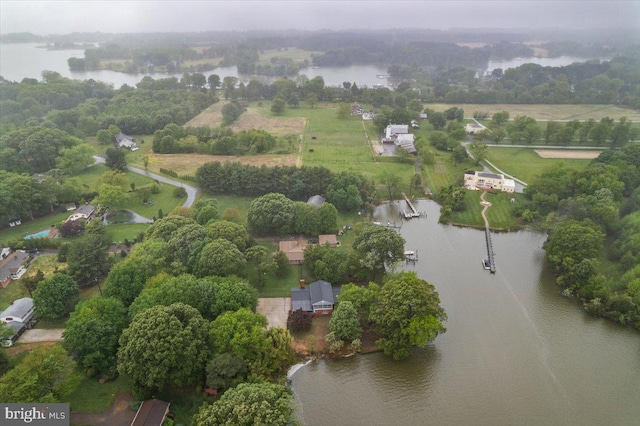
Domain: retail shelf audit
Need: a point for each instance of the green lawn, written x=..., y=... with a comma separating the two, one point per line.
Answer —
x=31, y=227
x=119, y=233
x=525, y=164
x=93, y=397
x=500, y=214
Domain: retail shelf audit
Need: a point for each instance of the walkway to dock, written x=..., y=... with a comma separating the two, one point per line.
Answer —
x=487, y=233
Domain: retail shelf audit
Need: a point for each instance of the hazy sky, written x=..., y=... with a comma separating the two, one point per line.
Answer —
x=60, y=17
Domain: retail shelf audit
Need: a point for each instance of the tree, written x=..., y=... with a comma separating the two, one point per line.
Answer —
x=126, y=280
x=237, y=234
x=343, y=112
x=479, y=151
x=327, y=219
x=206, y=214
x=242, y=333
x=232, y=294
x=214, y=81
x=391, y=181
x=74, y=159
x=376, y=247
x=362, y=298
x=571, y=243
x=249, y=404
x=55, y=296
x=299, y=320
x=87, y=258
x=311, y=99
x=271, y=213
x=104, y=137
x=115, y=159
x=438, y=120
x=408, y=314
x=164, y=346
x=439, y=141
x=225, y=371
x=231, y=111
x=260, y=265
x=344, y=322
x=111, y=197
x=277, y=106
x=46, y=375
x=499, y=118
x=92, y=332
x=221, y=258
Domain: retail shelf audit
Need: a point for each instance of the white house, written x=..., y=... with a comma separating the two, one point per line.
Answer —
x=125, y=141
x=85, y=211
x=399, y=135
x=489, y=181
x=473, y=128
x=17, y=317
x=12, y=267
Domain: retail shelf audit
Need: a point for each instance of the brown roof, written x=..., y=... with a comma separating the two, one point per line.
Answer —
x=151, y=413
x=330, y=239
x=293, y=249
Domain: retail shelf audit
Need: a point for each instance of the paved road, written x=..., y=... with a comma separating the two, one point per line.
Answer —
x=191, y=191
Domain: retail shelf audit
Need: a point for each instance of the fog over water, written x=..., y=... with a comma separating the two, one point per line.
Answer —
x=61, y=17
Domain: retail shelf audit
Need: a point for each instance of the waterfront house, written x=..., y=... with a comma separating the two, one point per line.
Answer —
x=320, y=297
x=488, y=181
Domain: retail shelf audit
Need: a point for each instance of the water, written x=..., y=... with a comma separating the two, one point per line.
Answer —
x=516, y=352
x=18, y=61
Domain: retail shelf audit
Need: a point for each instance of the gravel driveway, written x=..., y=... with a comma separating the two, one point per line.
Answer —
x=36, y=335
x=276, y=309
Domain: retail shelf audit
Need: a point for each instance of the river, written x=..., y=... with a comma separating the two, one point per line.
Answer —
x=20, y=60
x=515, y=352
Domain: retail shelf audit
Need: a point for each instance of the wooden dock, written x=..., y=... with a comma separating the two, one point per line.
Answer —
x=412, y=212
x=491, y=260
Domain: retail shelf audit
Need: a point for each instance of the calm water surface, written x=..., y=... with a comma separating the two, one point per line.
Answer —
x=515, y=353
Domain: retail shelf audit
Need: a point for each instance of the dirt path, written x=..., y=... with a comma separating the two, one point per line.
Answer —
x=486, y=205
x=118, y=415
x=37, y=335
x=276, y=309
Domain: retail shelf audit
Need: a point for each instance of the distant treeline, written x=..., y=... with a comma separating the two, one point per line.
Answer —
x=346, y=191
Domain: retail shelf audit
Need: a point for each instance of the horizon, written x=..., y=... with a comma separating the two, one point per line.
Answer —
x=134, y=17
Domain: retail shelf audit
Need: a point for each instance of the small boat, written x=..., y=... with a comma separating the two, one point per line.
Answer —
x=485, y=264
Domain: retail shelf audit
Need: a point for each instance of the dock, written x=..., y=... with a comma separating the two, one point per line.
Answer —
x=412, y=212
x=490, y=262
x=411, y=256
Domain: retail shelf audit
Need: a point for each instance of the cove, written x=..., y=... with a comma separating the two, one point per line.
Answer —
x=515, y=352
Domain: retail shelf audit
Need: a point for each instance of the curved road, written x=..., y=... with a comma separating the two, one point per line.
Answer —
x=191, y=191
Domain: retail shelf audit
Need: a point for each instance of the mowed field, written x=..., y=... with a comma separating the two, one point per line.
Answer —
x=547, y=112
x=525, y=163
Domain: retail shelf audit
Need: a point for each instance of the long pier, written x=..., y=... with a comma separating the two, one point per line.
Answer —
x=489, y=263
x=491, y=260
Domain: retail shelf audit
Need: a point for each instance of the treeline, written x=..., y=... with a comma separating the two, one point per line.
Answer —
x=82, y=108
x=206, y=140
x=346, y=191
x=593, y=82
x=593, y=215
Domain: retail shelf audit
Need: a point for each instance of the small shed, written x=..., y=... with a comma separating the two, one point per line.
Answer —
x=152, y=412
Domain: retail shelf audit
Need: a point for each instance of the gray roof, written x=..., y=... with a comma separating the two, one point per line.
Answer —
x=19, y=308
x=321, y=292
x=12, y=264
x=122, y=137
x=317, y=200
x=85, y=209
x=300, y=299
x=489, y=175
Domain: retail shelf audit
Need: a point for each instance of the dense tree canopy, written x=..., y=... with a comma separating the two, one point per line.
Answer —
x=255, y=404
x=164, y=346
x=407, y=314
x=55, y=296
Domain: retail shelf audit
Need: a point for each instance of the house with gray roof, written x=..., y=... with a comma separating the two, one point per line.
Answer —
x=17, y=317
x=320, y=297
x=12, y=267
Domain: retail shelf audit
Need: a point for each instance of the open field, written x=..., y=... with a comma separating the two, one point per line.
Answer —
x=187, y=164
x=557, y=153
x=525, y=163
x=254, y=118
x=212, y=116
x=547, y=112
